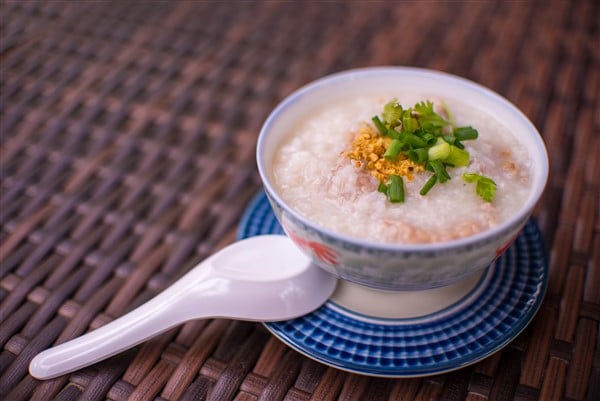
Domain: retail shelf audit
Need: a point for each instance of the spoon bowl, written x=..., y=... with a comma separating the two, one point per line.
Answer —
x=263, y=278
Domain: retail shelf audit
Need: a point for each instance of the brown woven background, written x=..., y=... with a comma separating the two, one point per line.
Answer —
x=127, y=155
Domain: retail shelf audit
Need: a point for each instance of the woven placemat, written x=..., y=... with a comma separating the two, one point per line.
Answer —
x=127, y=155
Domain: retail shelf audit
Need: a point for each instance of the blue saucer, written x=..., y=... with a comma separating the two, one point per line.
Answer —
x=496, y=310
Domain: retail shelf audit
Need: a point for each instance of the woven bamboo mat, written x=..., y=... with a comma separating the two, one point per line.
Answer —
x=127, y=155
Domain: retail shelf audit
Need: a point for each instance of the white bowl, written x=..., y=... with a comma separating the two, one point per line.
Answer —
x=397, y=266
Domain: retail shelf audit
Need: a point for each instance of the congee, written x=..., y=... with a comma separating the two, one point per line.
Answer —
x=404, y=169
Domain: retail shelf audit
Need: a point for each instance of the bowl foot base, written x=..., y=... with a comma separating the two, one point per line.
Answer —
x=402, y=304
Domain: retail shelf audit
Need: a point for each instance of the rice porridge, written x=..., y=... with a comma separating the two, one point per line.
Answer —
x=316, y=173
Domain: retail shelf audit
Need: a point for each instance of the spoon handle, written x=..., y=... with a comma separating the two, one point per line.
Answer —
x=158, y=315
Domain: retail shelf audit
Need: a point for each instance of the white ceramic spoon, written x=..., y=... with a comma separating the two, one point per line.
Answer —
x=264, y=278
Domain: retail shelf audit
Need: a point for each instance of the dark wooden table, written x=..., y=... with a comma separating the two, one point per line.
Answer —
x=127, y=155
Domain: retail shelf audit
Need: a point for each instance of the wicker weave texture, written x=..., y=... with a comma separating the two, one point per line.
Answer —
x=128, y=133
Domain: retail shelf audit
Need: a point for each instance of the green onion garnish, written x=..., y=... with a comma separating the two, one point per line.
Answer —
x=428, y=185
x=417, y=155
x=392, y=133
x=457, y=157
x=429, y=138
x=440, y=171
x=396, y=189
x=380, y=127
x=412, y=140
x=439, y=151
x=391, y=153
x=433, y=140
x=465, y=133
x=451, y=139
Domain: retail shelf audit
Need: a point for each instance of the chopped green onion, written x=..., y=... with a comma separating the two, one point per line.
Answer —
x=440, y=171
x=396, y=189
x=417, y=155
x=429, y=139
x=439, y=151
x=380, y=127
x=428, y=185
x=392, y=133
x=391, y=153
x=413, y=140
x=465, y=133
x=457, y=157
x=450, y=139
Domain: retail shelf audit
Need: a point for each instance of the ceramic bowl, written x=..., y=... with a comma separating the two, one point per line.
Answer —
x=397, y=266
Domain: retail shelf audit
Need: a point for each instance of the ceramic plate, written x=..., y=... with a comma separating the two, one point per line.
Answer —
x=484, y=319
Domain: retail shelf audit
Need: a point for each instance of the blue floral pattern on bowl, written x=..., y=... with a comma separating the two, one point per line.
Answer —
x=390, y=269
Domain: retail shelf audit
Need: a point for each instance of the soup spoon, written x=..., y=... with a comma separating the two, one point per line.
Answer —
x=263, y=278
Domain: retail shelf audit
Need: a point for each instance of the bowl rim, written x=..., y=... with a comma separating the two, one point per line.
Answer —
x=484, y=236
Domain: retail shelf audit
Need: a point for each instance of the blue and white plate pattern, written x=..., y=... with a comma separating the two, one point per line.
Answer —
x=496, y=310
